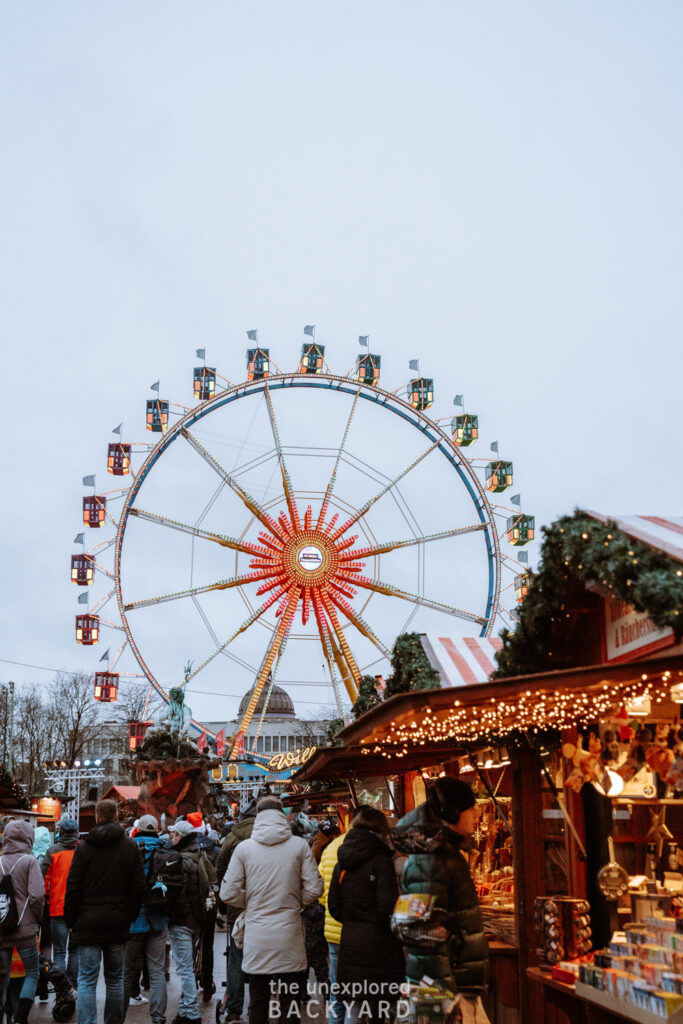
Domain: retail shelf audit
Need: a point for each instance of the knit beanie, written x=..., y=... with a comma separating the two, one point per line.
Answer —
x=448, y=798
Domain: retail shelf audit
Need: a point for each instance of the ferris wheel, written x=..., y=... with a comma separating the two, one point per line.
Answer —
x=343, y=515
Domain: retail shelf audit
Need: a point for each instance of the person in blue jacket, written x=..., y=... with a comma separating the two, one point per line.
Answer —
x=148, y=933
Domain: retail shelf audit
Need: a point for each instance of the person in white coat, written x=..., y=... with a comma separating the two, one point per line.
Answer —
x=272, y=875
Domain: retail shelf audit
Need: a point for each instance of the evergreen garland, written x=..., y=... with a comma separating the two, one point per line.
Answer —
x=332, y=732
x=367, y=697
x=581, y=549
x=412, y=669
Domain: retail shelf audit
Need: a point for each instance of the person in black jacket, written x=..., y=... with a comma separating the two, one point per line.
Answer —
x=362, y=895
x=434, y=835
x=104, y=892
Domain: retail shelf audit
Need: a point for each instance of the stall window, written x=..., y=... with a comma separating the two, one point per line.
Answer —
x=259, y=745
x=267, y=744
x=276, y=744
x=292, y=743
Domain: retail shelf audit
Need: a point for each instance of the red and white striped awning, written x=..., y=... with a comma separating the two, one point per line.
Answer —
x=461, y=661
x=662, y=532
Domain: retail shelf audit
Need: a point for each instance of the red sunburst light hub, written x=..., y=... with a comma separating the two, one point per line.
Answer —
x=310, y=558
x=314, y=560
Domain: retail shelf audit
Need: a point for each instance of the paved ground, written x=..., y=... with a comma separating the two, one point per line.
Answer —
x=139, y=1013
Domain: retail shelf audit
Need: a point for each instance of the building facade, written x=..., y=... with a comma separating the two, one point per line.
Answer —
x=281, y=730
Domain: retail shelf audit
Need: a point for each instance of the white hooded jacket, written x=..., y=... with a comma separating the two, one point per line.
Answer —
x=273, y=876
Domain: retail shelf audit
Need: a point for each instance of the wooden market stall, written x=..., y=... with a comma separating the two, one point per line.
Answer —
x=606, y=695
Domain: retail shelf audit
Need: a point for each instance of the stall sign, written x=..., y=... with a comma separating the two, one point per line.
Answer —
x=253, y=767
x=291, y=759
x=47, y=807
x=630, y=634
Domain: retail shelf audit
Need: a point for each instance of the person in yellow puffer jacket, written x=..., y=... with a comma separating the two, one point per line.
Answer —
x=332, y=928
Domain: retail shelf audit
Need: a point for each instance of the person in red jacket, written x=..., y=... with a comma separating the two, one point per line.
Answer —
x=55, y=866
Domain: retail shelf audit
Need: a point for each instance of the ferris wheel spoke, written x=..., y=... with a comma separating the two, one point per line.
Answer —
x=380, y=549
x=286, y=482
x=267, y=663
x=196, y=531
x=359, y=622
x=392, y=483
x=112, y=663
x=338, y=632
x=333, y=478
x=236, y=581
x=246, y=498
x=424, y=602
x=330, y=657
x=255, y=615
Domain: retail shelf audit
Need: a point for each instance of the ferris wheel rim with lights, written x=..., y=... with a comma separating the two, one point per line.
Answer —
x=295, y=559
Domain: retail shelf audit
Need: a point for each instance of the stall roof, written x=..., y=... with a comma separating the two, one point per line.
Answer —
x=461, y=661
x=499, y=701
x=662, y=532
x=125, y=793
x=330, y=763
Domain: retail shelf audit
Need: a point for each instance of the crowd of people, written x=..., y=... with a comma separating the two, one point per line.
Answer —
x=307, y=910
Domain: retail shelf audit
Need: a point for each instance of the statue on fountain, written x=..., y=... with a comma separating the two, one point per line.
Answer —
x=171, y=770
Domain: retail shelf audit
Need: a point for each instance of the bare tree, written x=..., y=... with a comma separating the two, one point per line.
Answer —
x=36, y=737
x=137, y=703
x=72, y=702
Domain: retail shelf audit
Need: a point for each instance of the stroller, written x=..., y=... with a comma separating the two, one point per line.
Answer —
x=65, y=997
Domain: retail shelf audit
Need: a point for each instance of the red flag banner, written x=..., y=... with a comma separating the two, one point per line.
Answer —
x=220, y=743
x=201, y=742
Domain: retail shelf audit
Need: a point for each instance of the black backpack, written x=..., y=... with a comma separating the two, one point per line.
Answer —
x=165, y=881
x=9, y=916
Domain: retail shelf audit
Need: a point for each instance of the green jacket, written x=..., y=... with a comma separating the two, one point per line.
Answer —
x=237, y=834
x=437, y=866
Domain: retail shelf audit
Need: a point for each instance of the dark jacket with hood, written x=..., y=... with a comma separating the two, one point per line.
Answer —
x=240, y=831
x=27, y=879
x=105, y=887
x=436, y=865
x=362, y=895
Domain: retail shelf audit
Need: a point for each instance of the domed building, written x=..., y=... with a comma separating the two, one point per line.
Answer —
x=282, y=729
x=280, y=704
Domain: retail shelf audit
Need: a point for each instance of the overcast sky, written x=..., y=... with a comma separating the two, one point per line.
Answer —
x=494, y=188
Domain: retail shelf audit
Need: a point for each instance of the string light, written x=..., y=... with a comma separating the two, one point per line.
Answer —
x=498, y=720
